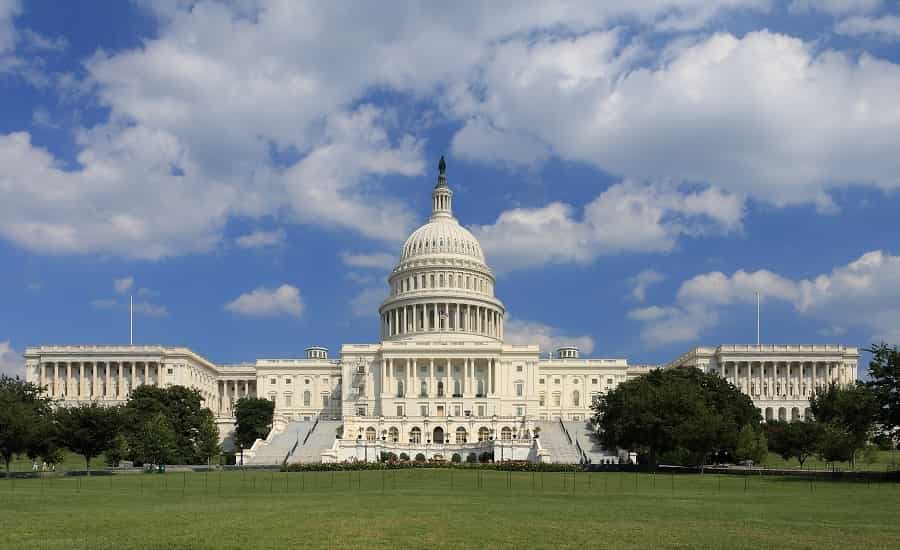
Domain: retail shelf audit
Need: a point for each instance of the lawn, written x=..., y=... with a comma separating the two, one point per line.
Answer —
x=444, y=509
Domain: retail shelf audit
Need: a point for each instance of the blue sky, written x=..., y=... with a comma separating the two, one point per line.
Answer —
x=249, y=171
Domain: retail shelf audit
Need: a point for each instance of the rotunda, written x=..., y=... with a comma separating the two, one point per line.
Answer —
x=442, y=286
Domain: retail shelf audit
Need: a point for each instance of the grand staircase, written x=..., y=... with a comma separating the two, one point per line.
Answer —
x=584, y=434
x=281, y=444
x=319, y=439
x=554, y=440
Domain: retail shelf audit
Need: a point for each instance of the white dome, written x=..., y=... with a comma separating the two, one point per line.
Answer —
x=442, y=236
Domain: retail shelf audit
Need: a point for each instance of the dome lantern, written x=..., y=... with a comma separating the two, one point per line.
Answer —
x=442, y=196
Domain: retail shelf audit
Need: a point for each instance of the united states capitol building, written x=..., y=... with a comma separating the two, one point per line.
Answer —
x=441, y=383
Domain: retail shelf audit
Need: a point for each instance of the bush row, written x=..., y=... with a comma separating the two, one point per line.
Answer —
x=507, y=466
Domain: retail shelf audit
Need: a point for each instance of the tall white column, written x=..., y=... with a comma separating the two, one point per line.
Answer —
x=81, y=389
x=42, y=374
x=431, y=382
x=68, y=380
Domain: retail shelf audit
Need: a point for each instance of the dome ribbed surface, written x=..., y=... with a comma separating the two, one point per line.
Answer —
x=442, y=236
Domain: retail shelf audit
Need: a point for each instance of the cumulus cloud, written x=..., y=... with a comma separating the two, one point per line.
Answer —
x=627, y=217
x=834, y=7
x=642, y=281
x=549, y=338
x=268, y=302
x=765, y=115
x=140, y=307
x=123, y=285
x=11, y=361
x=864, y=293
x=261, y=239
x=366, y=302
x=377, y=260
x=886, y=28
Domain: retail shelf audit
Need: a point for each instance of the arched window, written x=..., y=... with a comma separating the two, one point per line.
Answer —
x=400, y=389
x=506, y=433
x=483, y=433
x=415, y=435
x=307, y=397
x=440, y=389
x=438, y=435
x=393, y=435
x=423, y=389
x=576, y=399
x=481, y=388
x=461, y=435
x=370, y=434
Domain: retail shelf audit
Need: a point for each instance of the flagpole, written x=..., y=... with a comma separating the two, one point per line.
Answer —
x=131, y=320
x=757, y=319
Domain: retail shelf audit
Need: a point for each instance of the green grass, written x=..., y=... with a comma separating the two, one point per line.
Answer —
x=883, y=460
x=428, y=509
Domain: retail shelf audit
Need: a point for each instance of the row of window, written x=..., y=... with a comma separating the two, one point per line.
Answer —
x=594, y=381
x=288, y=380
x=438, y=435
x=288, y=399
x=575, y=401
x=441, y=280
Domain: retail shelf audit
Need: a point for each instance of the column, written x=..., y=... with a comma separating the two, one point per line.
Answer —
x=411, y=372
x=431, y=382
x=120, y=375
x=491, y=368
x=41, y=374
x=68, y=380
x=133, y=376
x=147, y=373
x=106, y=375
x=81, y=388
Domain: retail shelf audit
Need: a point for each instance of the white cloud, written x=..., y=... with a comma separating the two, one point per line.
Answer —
x=105, y=303
x=886, y=28
x=834, y=7
x=864, y=293
x=366, y=302
x=549, y=338
x=141, y=308
x=765, y=115
x=378, y=260
x=642, y=281
x=9, y=10
x=11, y=362
x=262, y=239
x=123, y=285
x=268, y=302
x=627, y=217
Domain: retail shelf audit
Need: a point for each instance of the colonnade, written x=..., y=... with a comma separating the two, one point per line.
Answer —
x=89, y=380
x=785, y=380
x=441, y=317
x=232, y=390
x=464, y=377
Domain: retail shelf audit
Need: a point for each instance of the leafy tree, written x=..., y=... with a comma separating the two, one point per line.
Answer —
x=850, y=414
x=183, y=407
x=88, y=429
x=24, y=416
x=751, y=445
x=884, y=382
x=118, y=451
x=46, y=446
x=253, y=418
x=799, y=440
x=207, y=444
x=681, y=411
x=155, y=441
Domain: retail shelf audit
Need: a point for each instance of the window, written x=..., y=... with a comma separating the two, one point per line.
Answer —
x=440, y=389
x=273, y=381
x=457, y=388
x=287, y=400
x=480, y=410
x=461, y=435
x=556, y=399
x=399, y=410
x=370, y=434
x=483, y=434
x=506, y=433
x=325, y=400
x=423, y=410
x=287, y=380
x=520, y=410
x=306, y=381
x=595, y=398
x=593, y=380
x=393, y=435
x=556, y=380
x=415, y=435
x=520, y=389
x=518, y=368
x=609, y=381
x=576, y=398
x=170, y=371
x=360, y=411
x=307, y=397
x=543, y=400
x=423, y=389
x=457, y=410
x=400, y=392
x=541, y=381
x=272, y=398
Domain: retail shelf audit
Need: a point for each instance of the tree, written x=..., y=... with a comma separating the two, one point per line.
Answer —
x=799, y=440
x=183, y=407
x=849, y=414
x=680, y=412
x=884, y=382
x=751, y=445
x=155, y=441
x=207, y=444
x=88, y=429
x=24, y=416
x=253, y=418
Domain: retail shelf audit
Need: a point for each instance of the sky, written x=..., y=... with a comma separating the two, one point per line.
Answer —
x=248, y=171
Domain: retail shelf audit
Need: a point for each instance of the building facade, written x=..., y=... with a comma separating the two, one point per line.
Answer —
x=442, y=380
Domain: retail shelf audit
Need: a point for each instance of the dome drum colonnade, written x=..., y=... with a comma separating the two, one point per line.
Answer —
x=442, y=283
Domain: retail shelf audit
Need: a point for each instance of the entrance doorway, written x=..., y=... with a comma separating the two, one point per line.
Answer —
x=438, y=435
